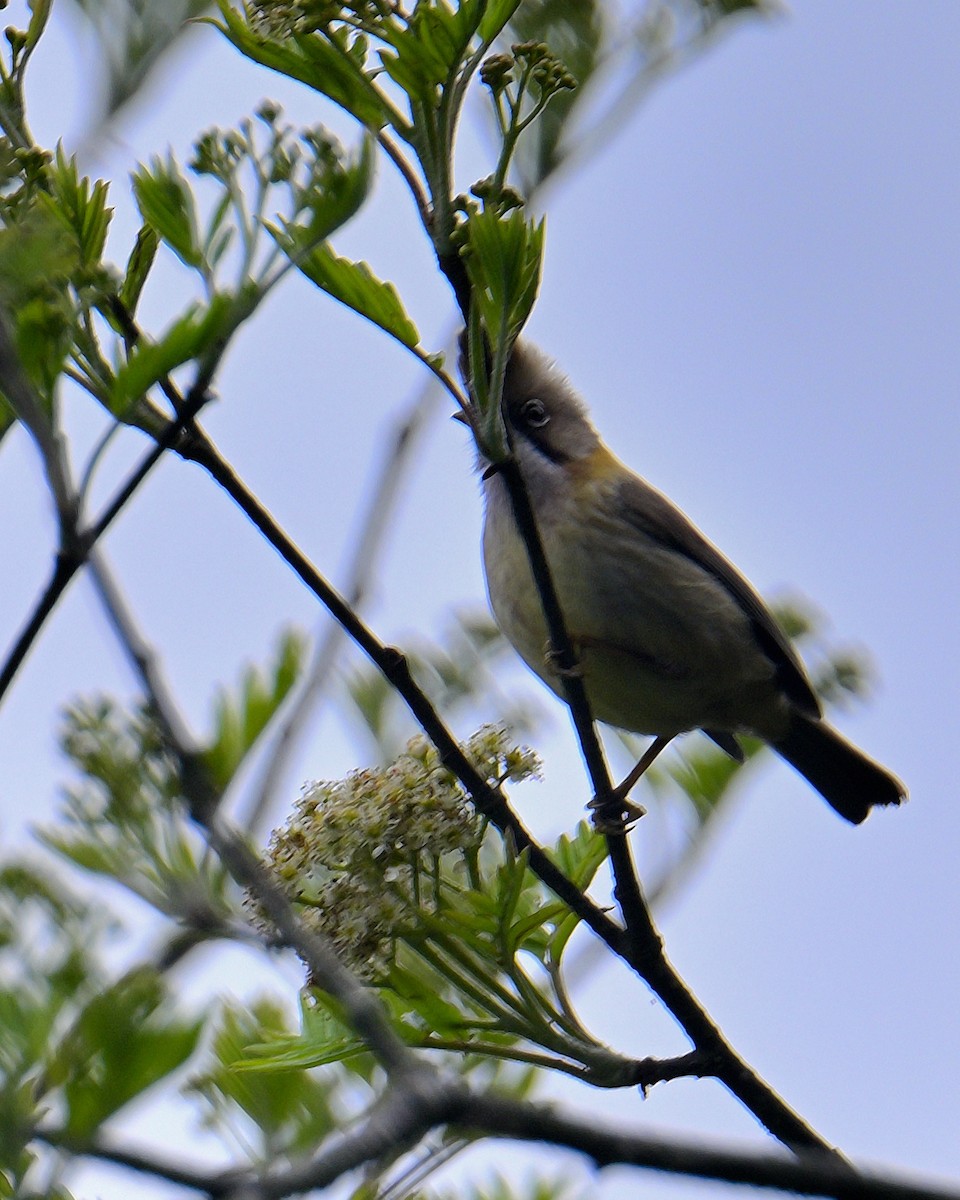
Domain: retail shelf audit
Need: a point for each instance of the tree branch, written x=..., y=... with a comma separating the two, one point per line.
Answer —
x=810, y=1174
x=644, y=947
x=68, y=564
x=405, y=1114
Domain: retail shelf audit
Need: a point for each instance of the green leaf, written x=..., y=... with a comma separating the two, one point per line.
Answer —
x=38, y=258
x=80, y=206
x=428, y=51
x=291, y=1109
x=580, y=856
x=352, y=283
x=496, y=15
x=312, y=60
x=119, y=1046
x=167, y=203
x=242, y=717
x=138, y=267
x=503, y=256
x=323, y=1039
x=197, y=331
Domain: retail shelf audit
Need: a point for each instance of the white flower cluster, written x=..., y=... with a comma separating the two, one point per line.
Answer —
x=361, y=857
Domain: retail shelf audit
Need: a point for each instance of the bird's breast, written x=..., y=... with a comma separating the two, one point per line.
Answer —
x=662, y=645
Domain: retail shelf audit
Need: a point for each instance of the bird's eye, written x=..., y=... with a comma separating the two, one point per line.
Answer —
x=534, y=414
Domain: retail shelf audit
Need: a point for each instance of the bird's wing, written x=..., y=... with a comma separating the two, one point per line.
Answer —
x=650, y=512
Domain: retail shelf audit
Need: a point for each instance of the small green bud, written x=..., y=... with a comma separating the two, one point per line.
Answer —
x=269, y=111
x=497, y=72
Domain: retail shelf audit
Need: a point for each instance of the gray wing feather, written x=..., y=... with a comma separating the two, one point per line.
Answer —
x=654, y=515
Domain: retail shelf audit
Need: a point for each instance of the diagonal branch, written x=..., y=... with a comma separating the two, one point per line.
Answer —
x=809, y=1173
x=643, y=953
x=23, y=399
x=366, y=1015
x=67, y=564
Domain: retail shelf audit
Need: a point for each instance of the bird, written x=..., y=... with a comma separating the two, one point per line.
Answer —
x=669, y=636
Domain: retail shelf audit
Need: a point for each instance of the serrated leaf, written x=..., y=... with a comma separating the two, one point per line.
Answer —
x=119, y=1046
x=138, y=267
x=580, y=856
x=353, y=284
x=167, y=203
x=192, y=334
x=312, y=60
x=79, y=205
x=427, y=52
x=503, y=258
x=241, y=717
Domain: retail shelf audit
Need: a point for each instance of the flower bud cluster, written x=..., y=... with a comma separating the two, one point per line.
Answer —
x=283, y=18
x=363, y=857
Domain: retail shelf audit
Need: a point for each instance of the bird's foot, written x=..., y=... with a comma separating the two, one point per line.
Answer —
x=616, y=813
x=552, y=660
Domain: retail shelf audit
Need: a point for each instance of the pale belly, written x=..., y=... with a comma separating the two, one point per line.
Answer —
x=662, y=647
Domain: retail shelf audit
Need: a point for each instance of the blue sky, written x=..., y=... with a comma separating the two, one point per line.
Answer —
x=755, y=286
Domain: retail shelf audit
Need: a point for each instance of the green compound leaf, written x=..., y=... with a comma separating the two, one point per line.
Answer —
x=312, y=60
x=167, y=203
x=241, y=717
x=353, y=284
x=198, y=330
x=503, y=256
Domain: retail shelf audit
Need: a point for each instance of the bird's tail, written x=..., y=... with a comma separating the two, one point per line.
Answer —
x=847, y=779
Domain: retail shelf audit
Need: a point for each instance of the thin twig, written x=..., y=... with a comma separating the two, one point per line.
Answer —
x=410, y=177
x=67, y=565
x=809, y=1173
x=364, y=1012
x=23, y=399
x=198, y=1179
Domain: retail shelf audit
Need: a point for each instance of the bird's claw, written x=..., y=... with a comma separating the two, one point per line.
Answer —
x=615, y=814
x=552, y=660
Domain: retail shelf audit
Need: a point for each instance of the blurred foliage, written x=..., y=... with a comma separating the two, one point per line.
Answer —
x=615, y=56
x=133, y=35
x=127, y=819
x=267, y=1114
x=458, y=671
x=79, y=1042
x=474, y=967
